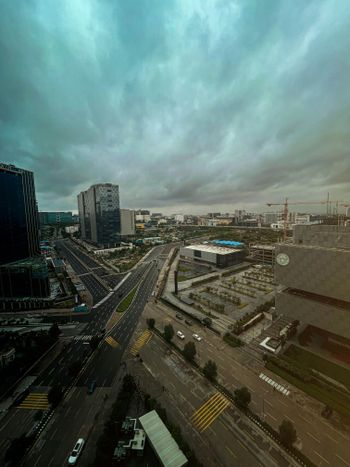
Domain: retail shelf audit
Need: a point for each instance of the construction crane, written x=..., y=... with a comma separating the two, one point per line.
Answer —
x=286, y=211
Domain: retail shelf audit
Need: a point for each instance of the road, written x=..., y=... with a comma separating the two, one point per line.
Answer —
x=320, y=441
x=183, y=392
x=79, y=408
x=104, y=364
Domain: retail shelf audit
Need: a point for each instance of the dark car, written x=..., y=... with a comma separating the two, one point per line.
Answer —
x=179, y=316
x=91, y=387
x=189, y=322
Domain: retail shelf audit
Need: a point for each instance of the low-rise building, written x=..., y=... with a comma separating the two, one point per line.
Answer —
x=315, y=273
x=219, y=256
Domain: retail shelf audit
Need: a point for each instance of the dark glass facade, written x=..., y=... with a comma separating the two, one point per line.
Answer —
x=99, y=214
x=19, y=223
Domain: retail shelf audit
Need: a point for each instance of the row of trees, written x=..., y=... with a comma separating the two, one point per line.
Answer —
x=189, y=351
x=242, y=396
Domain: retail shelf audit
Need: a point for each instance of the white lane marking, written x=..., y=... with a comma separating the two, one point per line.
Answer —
x=313, y=437
x=346, y=463
x=321, y=457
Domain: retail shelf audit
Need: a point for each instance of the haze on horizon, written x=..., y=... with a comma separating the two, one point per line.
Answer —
x=191, y=106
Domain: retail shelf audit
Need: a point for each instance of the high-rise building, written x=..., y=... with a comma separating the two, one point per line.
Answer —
x=19, y=222
x=99, y=214
x=55, y=218
x=127, y=222
x=315, y=273
x=23, y=272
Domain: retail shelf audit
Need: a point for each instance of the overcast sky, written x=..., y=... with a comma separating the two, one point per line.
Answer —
x=190, y=106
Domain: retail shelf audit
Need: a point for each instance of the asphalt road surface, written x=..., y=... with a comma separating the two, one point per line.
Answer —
x=103, y=366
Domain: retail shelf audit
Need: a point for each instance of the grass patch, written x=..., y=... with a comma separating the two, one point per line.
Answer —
x=307, y=360
x=124, y=305
x=332, y=399
x=182, y=278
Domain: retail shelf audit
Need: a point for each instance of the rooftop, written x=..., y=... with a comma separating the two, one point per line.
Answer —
x=163, y=443
x=229, y=243
x=220, y=250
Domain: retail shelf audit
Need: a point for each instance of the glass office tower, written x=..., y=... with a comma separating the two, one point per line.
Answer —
x=19, y=222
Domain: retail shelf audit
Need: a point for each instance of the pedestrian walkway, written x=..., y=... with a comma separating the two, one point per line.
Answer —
x=140, y=342
x=85, y=337
x=112, y=342
x=209, y=411
x=275, y=385
x=35, y=401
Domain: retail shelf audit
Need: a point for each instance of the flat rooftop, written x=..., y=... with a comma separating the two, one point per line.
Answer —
x=220, y=250
x=168, y=451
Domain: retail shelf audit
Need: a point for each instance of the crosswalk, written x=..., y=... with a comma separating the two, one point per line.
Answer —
x=35, y=401
x=140, y=342
x=275, y=385
x=209, y=411
x=112, y=342
x=83, y=338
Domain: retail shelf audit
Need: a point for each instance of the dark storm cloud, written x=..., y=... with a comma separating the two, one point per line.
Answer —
x=185, y=104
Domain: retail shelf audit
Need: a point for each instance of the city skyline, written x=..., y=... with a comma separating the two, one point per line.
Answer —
x=191, y=107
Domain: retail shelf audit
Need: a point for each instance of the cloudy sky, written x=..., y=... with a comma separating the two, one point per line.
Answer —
x=189, y=106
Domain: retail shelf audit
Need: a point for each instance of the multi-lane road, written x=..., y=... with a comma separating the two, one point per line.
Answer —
x=102, y=366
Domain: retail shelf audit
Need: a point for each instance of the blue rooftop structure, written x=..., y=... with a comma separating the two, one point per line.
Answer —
x=228, y=243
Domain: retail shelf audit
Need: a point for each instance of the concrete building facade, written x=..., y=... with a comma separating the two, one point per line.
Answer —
x=315, y=273
x=220, y=257
x=127, y=222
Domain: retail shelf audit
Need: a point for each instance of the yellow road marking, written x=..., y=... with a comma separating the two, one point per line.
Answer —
x=211, y=416
x=35, y=400
x=140, y=342
x=207, y=404
x=209, y=411
x=112, y=342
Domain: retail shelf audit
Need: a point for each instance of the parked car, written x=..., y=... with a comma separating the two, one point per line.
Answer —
x=180, y=334
x=178, y=316
x=91, y=387
x=188, y=321
x=197, y=337
x=72, y=460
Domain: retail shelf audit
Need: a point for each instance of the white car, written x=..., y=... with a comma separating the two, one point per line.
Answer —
x=197, y=337
x=180, y=334
x=72, y=460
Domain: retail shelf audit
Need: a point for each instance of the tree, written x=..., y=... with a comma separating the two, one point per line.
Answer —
x=151, y=322
x=189, y=351
x=54, y=331
x=210, y=370
x=168, y=332
x=129, y=384
x=287, y=433
x=95, y=340
x=55, y=395
x=242, y=397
